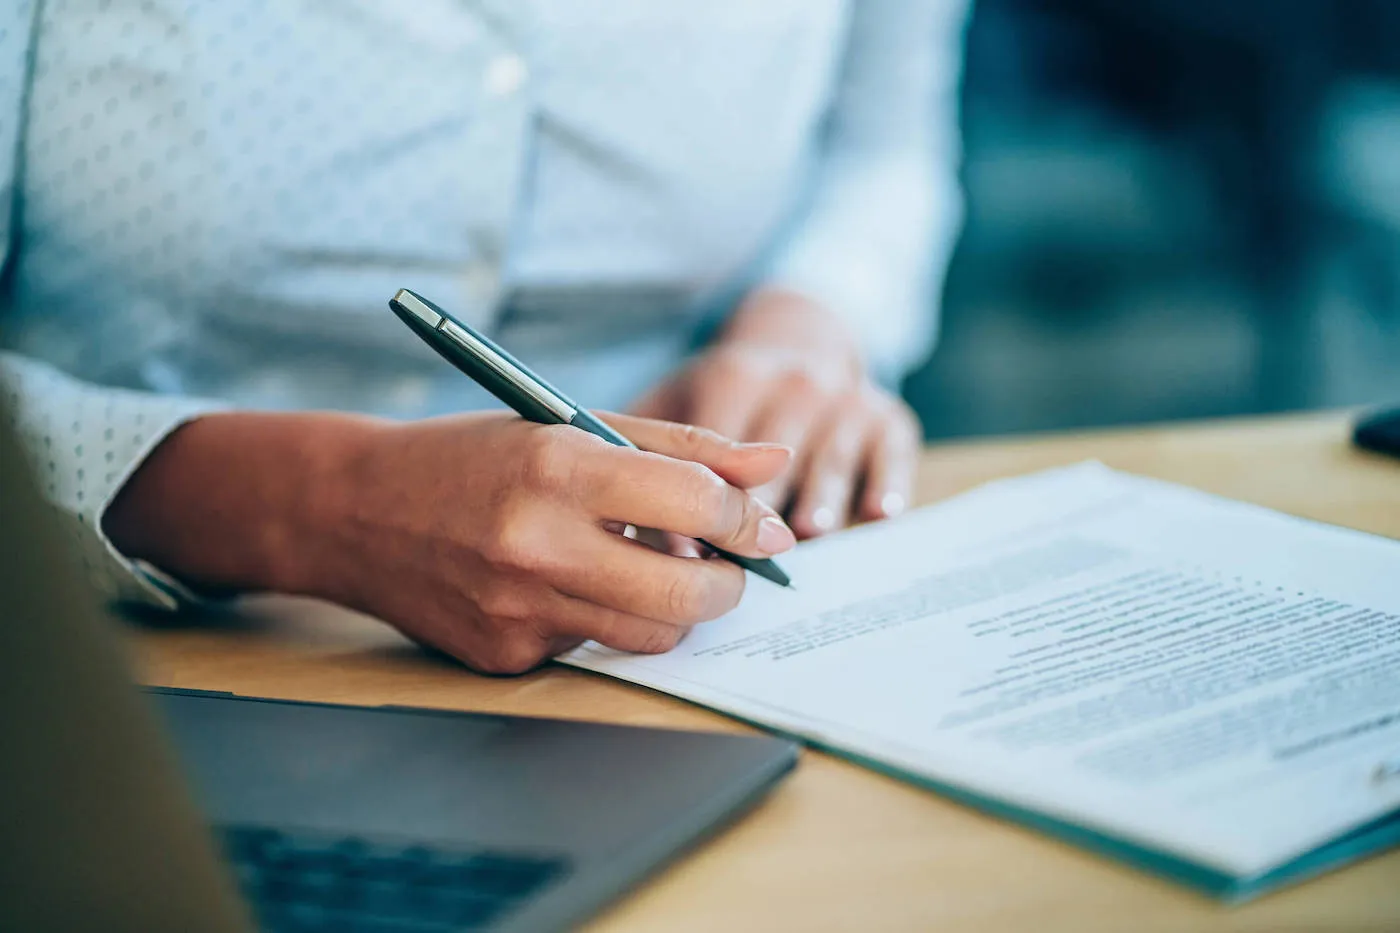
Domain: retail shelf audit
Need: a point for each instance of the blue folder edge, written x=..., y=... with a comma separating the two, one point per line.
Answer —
x=1367, y=839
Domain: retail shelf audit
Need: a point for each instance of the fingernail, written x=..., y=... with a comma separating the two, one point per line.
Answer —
x=774, y=536
x=762, y=446
x=824, y=518
x=621, y=528
x=892, y=504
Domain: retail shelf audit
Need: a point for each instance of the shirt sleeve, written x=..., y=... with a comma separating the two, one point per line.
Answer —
x=882, y=212
x=82, y=441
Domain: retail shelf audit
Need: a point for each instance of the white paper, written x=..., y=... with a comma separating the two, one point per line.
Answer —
x=1196, y=675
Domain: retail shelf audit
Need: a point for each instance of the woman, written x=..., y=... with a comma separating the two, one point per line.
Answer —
x=723, y=215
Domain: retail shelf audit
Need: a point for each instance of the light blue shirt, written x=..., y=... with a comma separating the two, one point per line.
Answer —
x=215, y=199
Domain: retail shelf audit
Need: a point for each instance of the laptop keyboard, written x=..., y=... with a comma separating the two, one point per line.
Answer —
x=303, y=882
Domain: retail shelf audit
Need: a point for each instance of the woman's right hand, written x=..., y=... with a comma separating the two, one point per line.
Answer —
x=483, y=535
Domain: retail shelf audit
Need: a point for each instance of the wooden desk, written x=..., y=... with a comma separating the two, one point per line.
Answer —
x=837, y=847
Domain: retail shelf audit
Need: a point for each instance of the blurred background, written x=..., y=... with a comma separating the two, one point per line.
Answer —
x=1176, y=209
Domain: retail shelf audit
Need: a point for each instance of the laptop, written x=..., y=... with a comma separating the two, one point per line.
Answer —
x=184, y=810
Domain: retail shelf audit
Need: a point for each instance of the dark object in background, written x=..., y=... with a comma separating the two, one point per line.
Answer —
x=1379, y=431
x=437, y=820
x=1176, y=209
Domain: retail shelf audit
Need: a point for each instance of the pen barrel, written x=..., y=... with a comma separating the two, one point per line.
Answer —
x=584, y=421
x=475, y=368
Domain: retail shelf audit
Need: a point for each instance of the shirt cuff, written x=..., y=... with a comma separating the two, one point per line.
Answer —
x=84, y=442
x=122, y=579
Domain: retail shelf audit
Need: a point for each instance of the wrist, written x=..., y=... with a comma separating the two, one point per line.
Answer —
x=239, y=500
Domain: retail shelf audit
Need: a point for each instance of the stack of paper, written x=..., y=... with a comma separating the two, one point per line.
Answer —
x=1205, y=688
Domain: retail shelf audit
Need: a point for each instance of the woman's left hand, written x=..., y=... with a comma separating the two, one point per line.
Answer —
x=787, y=371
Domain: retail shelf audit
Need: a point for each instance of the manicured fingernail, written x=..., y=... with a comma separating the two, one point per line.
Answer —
x=824, y=518
x=774, y=537
x=892, y=504
x=762, y=446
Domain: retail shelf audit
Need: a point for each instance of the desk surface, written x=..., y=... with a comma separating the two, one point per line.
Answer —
x=837, y=847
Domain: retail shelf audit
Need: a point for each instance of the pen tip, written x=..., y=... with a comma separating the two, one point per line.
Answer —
x=791, y=587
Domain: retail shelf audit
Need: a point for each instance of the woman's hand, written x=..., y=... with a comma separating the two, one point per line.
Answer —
x=488, y=537
x=788, y=372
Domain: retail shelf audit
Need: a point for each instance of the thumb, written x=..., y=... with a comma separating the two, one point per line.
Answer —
x=742, y=465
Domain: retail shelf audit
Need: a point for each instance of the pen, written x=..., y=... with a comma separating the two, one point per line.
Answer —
x=512, y=382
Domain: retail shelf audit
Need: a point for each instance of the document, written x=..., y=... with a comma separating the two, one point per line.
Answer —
x=1206, y=688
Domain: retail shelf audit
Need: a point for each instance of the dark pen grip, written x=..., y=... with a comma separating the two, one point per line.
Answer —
x=763, y=567
x=582, y=419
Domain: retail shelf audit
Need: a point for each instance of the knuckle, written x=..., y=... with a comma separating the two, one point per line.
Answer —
x=685, y=599
x=547, y=464
x=703, y=494
x=660, y=639
x=801, y=382
x=692, y=439
x=741, y=518
x=684, y=436
x=858, y=405
x=514, y=654
x=513, y=544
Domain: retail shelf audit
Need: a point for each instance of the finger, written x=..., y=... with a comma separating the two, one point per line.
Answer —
x=576, y=620
x=681, y=546
x=631, y=577
x=743, y=465
x=564, y=644
x=788, y=419
x=722, y=400
x=668, y=542
x=827, y=484
x=549, y=623
x=891, y=460
x=680, y=496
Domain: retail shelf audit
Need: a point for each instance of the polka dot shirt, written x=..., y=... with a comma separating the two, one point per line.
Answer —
x=203, y=199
